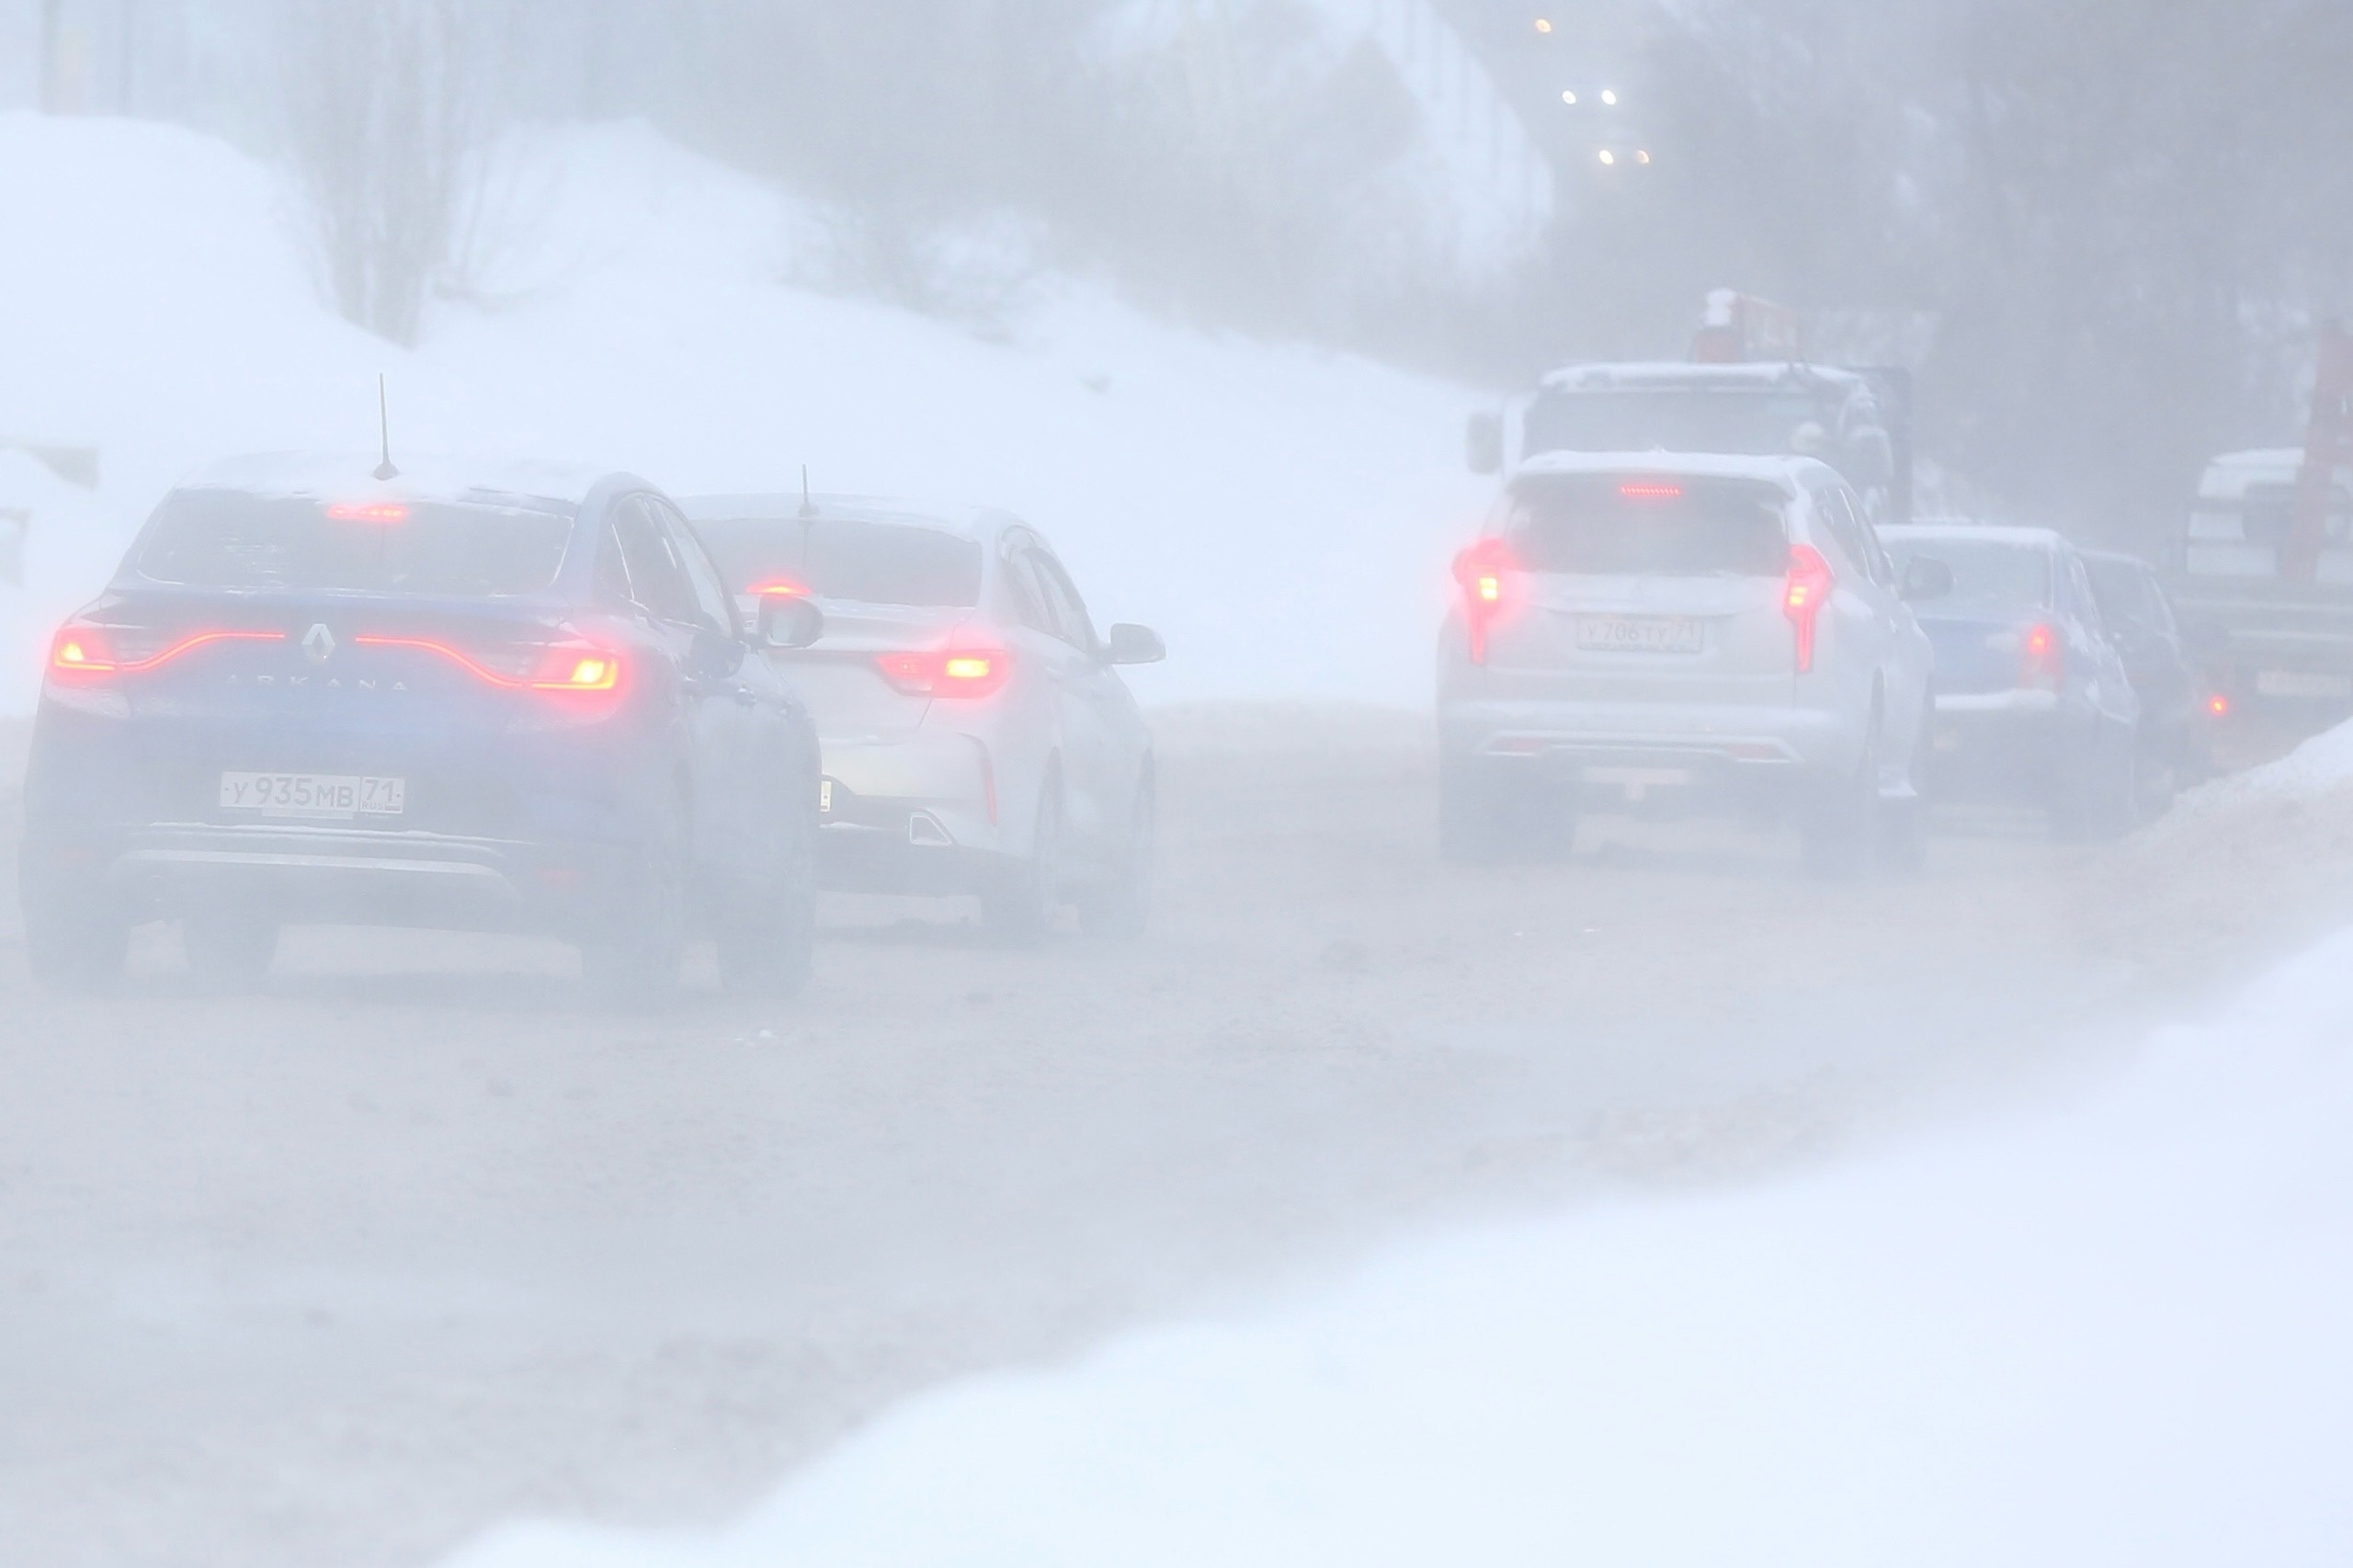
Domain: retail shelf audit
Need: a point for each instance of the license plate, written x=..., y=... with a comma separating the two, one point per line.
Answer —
x=335, y=797
x=2301, y=683
x=1639, y=634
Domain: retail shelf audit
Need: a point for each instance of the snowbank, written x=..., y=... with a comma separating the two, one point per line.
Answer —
x=2321, y=766
x=1283, y=516
x=2109, y=1333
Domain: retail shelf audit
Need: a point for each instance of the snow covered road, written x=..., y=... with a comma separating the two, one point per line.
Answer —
x=416, y=1243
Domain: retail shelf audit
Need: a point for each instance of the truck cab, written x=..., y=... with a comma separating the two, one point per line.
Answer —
x=2274, y=631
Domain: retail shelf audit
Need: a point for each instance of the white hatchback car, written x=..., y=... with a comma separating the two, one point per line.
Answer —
x=1672, y=634
x=977, y=737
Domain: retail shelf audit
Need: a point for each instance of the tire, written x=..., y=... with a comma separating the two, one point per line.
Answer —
x=1904, y=824
x=76, y=940
x=229, y=949
x=633, y=957
x=1118, y=909
x=1488, y=815
x=768, y=946
x=1018, y=904
x=2156, y=777
x=1841, y=826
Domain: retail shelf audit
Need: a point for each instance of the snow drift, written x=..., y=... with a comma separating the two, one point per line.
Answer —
x=1282, y=516
x=2107, y=1334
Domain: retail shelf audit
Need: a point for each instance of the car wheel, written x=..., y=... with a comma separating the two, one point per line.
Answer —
x=1119, y=908
x=632, y=960
x=1904, y=824
x=1018, y=907
x=2156, y=777
x=1487, y=815
x=229, y=949
x=75, y=938
x=768, y=946
x=1838, y=832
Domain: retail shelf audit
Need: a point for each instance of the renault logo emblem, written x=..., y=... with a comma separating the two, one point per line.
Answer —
x=318, y=644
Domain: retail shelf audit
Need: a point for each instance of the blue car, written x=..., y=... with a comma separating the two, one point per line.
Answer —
x=2034, y=704
x=460, y=697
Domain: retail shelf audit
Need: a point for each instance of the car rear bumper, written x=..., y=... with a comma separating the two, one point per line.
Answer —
x=331, y=875
x=917, y=815
x=2005, y=744
x=1657, y=757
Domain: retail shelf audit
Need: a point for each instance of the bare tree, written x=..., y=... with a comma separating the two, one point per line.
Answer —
x=386, y=106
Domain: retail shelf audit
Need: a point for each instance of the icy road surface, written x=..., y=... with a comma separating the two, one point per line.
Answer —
x=417, y=1242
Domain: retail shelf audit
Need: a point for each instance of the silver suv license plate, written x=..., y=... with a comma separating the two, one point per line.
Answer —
x=335, y=797
x=1641, y=634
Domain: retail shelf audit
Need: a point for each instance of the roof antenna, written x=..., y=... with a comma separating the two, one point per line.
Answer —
x=808, y=506
x=384, y=426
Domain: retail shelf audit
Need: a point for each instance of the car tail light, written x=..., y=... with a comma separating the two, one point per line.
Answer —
x=946, y=672
x=2218, y=706
x=2043, y=663
x=568, y=664
x=85, y=650
x=1806, y=590
x=385, y=512
x=1481, y=570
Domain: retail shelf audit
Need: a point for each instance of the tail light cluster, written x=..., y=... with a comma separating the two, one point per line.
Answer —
x=1481, y=571
x=88, y=651
x=569, y=664
x=946, y=672
x=1803, y=593
x=2042, y=663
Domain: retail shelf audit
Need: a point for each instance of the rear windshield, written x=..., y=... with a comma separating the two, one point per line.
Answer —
x=1617, y=524
x=1983, y=570
x=226, y=539
x=1752, y=420
x=876, y=564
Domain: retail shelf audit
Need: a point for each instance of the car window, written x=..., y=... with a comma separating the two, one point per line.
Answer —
x=1607, y=525
x=714, y=611
x=1032, y=604
x=847, y=558
x=2086, y=602
x=1846, y=526
x=1994, y=572
x=1070, y=610
x=658, y=578
x=484, y=545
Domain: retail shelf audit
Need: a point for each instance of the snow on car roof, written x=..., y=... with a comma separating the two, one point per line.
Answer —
x=1790, y=472
x=339, y=476
x=955, y=517
x=1989, y=533
x=1684, y=372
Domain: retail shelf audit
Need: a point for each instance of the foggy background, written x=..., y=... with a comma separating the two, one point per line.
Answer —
x=2101, y=232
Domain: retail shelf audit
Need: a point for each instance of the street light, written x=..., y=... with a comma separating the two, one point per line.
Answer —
x=1569, y=98
x=1609, y=157
x=1543, y=24
x=1609, y=97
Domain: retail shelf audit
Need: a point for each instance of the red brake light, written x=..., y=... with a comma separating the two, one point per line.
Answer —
x=1480, y=569
x=1651, y=489
x=2045, y=661
x=83, y=648
x=946, y=672
x=2218, y=706
x=780, y=587
x=1807, y=589
x=367, y=512
x=571, y=665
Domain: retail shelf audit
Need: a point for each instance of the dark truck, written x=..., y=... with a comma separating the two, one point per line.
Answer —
x=1745, y=392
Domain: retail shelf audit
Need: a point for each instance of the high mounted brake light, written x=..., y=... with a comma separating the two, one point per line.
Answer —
x=85, y=648
x=1481, y=570
x=946, y=672
x=367, y=512
x=1804, y=592
x=1651, y=489
x=780, y=587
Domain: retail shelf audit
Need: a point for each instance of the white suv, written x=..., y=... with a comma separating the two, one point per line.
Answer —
x=1671, y=634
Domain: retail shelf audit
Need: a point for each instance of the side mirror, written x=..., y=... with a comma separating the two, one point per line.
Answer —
x=1482, y=443
x=1133, y=645
x=789, y=620
x=1926, y=579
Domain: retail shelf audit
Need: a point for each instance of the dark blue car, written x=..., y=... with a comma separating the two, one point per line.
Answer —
x=462, y=698
x=2034, y=705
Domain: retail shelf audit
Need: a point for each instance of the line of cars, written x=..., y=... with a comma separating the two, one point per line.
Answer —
x=555, y=700
x=1676, y=634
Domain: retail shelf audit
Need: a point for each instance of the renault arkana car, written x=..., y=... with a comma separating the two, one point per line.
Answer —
x=1664, y=634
